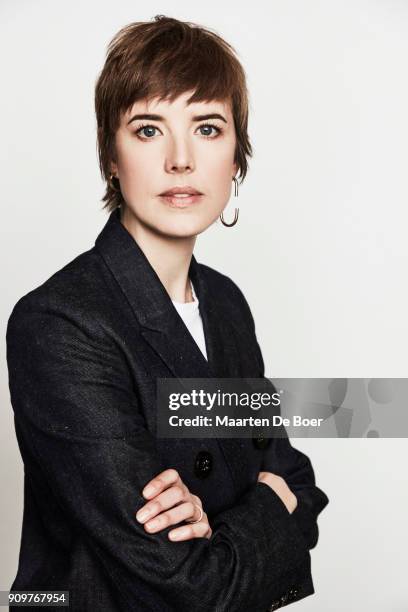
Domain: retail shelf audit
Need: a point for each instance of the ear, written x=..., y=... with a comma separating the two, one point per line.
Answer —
x=113, y=168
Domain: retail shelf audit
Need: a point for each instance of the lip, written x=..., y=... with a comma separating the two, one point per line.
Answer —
x=181, y=189
x=181, y=202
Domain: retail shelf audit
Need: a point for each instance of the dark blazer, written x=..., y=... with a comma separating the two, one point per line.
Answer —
x=84, y=350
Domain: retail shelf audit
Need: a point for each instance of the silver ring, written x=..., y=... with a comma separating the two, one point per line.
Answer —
x=201, y=515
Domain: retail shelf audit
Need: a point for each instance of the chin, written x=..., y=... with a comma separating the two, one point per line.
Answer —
x=184, y=227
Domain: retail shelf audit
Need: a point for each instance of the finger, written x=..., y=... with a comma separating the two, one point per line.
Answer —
x=160, y=482
x=196, y=500
x=197, y=514
x=188, y=532
x=174, y=495
x=173, y=516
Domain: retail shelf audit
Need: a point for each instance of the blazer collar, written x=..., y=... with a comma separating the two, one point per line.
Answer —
x=161, y=324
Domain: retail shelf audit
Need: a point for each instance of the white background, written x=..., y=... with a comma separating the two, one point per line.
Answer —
x=323, y=221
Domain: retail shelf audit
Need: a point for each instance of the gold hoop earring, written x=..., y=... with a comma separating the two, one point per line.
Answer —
x=111, y=183
x=236, y=213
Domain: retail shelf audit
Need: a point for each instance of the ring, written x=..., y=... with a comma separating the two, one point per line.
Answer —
x=201, y=514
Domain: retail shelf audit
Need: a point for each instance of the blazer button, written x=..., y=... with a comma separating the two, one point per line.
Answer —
x=261, y=442
x=292, y=593
x=203, y=464
x=284, y=599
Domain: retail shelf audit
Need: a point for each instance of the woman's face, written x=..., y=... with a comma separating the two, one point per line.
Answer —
x=162, y=145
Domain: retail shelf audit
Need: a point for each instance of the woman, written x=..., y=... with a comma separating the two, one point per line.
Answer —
x=119, y=518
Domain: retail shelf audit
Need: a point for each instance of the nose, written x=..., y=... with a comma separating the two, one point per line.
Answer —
x=179, y=157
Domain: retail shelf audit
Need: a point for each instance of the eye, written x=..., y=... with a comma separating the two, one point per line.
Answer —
x=147, y=131
x=208, y=127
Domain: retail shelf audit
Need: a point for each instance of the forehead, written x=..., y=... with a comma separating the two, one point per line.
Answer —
x=179, y=105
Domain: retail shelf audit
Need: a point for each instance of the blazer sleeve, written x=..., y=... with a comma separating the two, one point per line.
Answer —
x=77, y=410
x=281, y=458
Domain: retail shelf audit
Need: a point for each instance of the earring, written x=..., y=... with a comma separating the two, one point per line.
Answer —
x=236, y=209
x=111, y=183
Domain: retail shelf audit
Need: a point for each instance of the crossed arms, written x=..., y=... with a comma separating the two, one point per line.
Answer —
x=78, y=413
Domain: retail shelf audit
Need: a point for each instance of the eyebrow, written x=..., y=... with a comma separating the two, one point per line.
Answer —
x=160, y=118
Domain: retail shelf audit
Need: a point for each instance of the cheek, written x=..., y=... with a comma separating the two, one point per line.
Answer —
x=138, y=167
x=219, y=170
x=218, y=164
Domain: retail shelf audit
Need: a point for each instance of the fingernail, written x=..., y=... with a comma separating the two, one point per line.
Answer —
x=177, y=535
x=142, y=515
x=149, y=490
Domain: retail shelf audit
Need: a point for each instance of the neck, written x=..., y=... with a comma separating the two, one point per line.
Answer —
x=169, y=256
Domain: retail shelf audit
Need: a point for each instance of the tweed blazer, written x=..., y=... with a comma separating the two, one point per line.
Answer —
x=84, y=351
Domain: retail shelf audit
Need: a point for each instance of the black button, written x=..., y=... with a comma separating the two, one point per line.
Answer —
x=261, y=442
x=292, y=594
x=203, y=464
x=284, y=599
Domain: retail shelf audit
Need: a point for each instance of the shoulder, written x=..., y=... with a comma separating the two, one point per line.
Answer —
x=73, y=291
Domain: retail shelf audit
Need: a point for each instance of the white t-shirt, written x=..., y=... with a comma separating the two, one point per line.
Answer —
x=190, y=314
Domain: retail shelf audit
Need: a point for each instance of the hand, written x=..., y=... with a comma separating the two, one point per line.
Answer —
x=278, y=484
x=168, y=492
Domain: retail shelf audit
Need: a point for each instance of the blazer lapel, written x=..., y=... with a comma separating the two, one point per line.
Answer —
x=161, y=324
x=164, y=329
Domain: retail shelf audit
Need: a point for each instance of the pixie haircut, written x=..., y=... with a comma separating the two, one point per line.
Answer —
x=164, y=58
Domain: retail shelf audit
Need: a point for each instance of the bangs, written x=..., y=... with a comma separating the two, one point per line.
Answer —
x=170, y=62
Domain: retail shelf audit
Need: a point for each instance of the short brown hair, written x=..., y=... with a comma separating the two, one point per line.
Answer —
x=165, y=58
